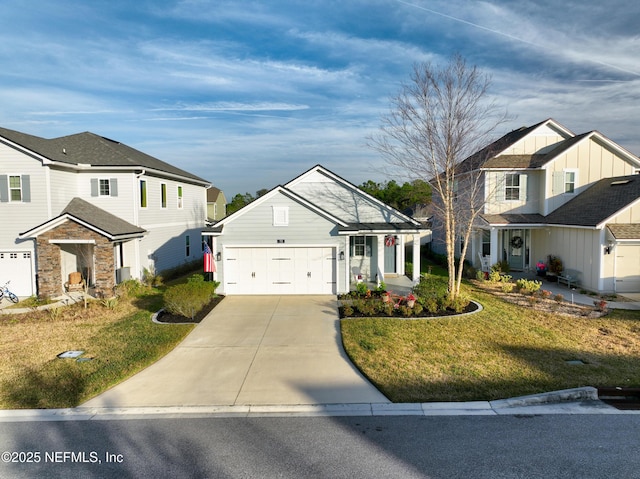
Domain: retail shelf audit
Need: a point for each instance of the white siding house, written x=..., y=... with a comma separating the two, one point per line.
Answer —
x=551, y=192
x=86, y=203
x=318, y=234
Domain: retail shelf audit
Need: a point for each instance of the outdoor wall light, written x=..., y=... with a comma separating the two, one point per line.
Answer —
x=341, y=255
x=608, y=248
x=218, y=256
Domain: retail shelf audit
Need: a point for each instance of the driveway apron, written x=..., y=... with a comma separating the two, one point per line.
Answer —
x=253, y=350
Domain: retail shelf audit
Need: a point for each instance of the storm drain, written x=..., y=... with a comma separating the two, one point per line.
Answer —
x=620, y=397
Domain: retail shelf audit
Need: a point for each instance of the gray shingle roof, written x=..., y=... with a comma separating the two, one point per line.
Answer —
x=101, y=219
x=89, y=148
x=511, y=218
x=596, y=204
x=599, y=202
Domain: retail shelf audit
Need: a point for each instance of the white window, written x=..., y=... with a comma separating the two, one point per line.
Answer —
x=104, y=188
x=569, y=181
x=280, y=216
x=512, y=187
x=15, y=188
x=163, y=195
x=361, y=245
x=143, y=193
x=187, y=246
x=180, y=199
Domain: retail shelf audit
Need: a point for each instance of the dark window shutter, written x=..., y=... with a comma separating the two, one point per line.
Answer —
x=4, y=188
x=113, y=186
x=94, y=186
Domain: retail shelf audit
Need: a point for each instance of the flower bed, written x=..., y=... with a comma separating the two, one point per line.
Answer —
x=429, y=299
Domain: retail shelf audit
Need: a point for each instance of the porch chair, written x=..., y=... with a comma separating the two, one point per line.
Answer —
x=357, y=276
x=75, y=283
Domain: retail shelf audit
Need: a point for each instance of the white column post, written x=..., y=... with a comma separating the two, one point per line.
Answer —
x=415, y=277
x=494, y=246
x=347, y=264
x=380, y=258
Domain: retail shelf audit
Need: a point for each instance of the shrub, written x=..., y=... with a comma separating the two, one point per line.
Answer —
x=151, y=278
x=480, y=275
x=361, y=288
x=505, y=278
x=347, y=310
x=405, y=311
x=432, y=286
x=431, y=305
x=188, y=298
x=558, y=298
x=129, y=288
x=507, y=287
x=408, y=269
x=494, y=276
x=382, y=287
x=501, y=267
x=526, y=286
x=417, y=309
x=545, y=294
x=457, y=304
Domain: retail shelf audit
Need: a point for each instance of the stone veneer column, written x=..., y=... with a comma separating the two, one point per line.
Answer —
x=50, y=281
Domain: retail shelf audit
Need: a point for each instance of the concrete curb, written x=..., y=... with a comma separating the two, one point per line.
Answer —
x=586, y=393
x=570, y=401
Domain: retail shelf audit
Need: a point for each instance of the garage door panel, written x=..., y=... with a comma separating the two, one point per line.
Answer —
x=290, y=270
x=627, y=268
x=17, y=267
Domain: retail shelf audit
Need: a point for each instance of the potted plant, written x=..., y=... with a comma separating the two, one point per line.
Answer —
x=555, y=268
x=411, y=300
x=541, y=268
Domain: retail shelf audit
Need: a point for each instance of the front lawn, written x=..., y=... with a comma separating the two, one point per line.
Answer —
x=119, y=336
x=503, y=351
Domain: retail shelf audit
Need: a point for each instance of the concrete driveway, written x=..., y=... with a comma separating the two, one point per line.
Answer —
x=253, y=350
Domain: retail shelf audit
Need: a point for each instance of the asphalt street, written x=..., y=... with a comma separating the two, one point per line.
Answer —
x=517, y=446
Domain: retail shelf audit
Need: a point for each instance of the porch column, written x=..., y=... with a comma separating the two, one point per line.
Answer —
x=214, y=249
x=347, y=265
x=380, y=258
x=415, y=277
x=494, y=255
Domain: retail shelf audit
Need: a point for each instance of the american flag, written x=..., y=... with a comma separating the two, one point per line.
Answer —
x=209, y=264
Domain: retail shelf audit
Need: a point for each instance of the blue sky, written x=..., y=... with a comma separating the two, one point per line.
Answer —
x=250, y=94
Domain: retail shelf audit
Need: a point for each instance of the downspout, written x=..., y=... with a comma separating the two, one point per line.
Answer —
x=136, y=218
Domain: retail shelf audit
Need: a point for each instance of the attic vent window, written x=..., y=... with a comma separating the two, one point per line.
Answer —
x=619, y=182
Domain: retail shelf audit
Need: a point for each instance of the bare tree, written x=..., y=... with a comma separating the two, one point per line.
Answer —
x=435, y=123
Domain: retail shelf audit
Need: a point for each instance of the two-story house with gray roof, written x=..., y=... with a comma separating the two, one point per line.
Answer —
x=84, y=203
x=548, y=192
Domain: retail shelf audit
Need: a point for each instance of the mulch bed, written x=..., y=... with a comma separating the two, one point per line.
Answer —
x=166, y=317
x=471, y=307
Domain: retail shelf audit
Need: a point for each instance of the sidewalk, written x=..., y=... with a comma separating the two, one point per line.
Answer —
x=574, y=296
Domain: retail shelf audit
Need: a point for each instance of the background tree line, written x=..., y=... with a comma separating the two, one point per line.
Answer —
x=414, y=195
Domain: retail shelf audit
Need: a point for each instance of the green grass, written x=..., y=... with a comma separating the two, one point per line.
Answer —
x=503, y=351
x=121, y=339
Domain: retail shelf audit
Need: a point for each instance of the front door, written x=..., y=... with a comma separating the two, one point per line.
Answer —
x=516, y=247
x=390, y=254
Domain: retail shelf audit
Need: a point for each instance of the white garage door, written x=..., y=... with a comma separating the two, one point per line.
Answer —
x=295, y=270
x=17, y=267
x=627, y=268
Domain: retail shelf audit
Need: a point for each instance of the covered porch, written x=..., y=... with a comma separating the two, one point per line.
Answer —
x=375, y=255
x=85, y=247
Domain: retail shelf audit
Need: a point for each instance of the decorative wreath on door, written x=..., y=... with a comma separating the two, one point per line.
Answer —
x=390, y=241
x=516, y=242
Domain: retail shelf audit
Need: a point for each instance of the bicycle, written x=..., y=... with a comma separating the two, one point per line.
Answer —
x=5, y=290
